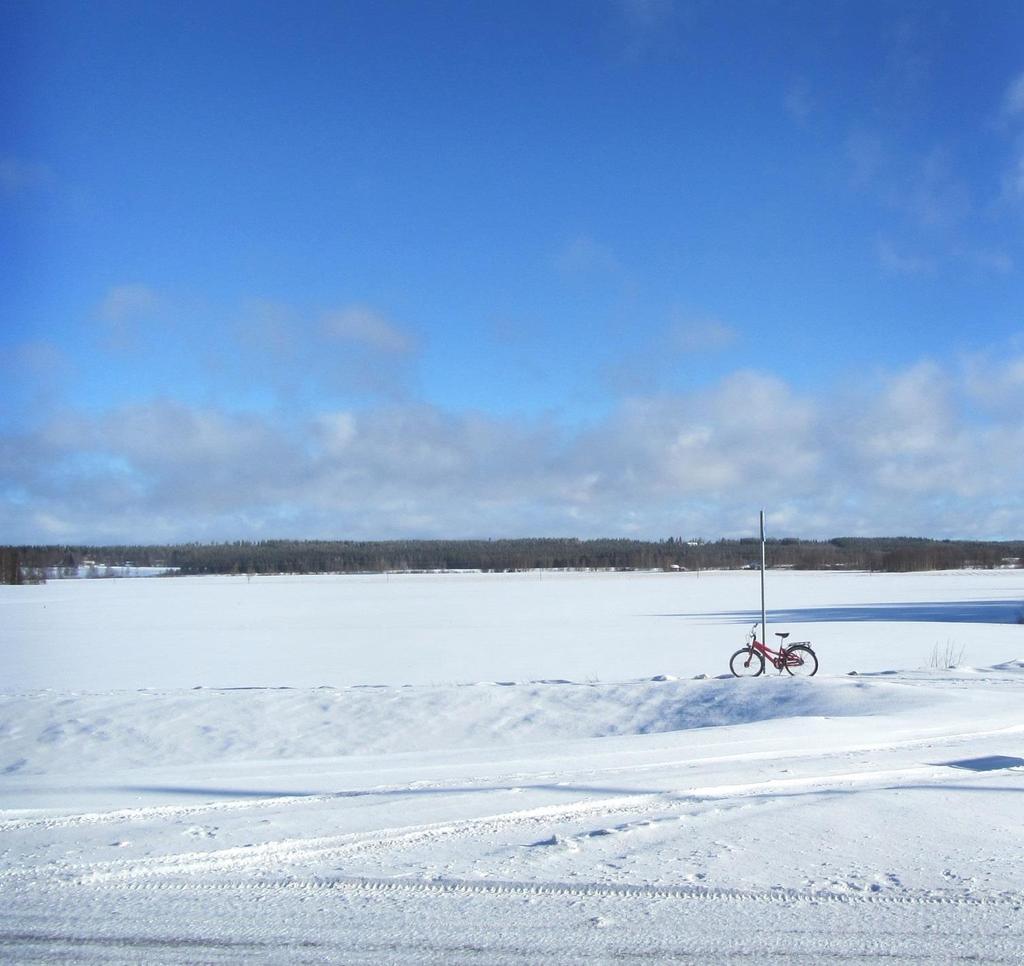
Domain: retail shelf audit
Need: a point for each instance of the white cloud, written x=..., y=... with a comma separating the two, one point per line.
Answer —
x=38, y=371
x=701, y=335
x=908, y=417
x=125, y=311
x=270, y=327
x=37, y=361
x=644, y=26
x=302, y=356
x=126, y=302
x=900, y=263
x=996, y=382
x=656, y=362
x=931, y=449
x=1013, y=99
x=364, y=326
x=1013, y=181
x=915, y=439
x=584, y=255
x=1012, y=115
x=934, y=195
x=335, y=432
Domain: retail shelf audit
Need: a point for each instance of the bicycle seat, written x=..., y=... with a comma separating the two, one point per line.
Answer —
x=782, y=634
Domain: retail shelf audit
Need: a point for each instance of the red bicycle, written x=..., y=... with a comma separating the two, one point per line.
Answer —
x=798, y=658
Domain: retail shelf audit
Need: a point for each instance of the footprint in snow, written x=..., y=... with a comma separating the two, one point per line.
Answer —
x=555, y=840
x=201, y=831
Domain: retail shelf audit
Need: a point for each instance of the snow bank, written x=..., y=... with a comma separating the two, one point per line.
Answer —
x=51, y=732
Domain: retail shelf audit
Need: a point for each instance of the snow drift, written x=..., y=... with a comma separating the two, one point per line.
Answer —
x=74, y=732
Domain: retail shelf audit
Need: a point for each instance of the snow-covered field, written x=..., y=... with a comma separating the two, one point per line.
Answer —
x=482, y=768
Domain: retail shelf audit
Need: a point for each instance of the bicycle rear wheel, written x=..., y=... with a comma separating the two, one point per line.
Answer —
x=801, y=661
x=747, y=663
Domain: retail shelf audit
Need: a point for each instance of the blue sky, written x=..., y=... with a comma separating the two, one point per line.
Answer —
x=617, y=267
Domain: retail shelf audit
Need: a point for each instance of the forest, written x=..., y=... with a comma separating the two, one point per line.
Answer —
x=889, y=554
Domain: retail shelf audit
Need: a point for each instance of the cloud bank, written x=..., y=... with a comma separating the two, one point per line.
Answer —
x=927, y=450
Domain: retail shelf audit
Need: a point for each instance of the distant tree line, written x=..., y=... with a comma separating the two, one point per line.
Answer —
x=889, y=554
x=10, y=566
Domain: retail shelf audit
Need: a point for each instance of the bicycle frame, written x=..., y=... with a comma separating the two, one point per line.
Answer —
x=780, y=658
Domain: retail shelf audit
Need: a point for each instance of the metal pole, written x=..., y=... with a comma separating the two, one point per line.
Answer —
x=764, y=622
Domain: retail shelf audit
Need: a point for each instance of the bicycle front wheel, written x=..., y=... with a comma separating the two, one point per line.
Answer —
x=801, y=661
x=747, y=663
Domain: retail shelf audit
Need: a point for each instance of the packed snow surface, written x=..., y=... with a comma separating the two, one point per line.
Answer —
x=416, y=786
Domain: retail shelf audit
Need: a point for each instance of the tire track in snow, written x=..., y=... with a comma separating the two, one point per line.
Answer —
x=627, y=891
x=148, y=812
x=332, y=848
x=537, y=820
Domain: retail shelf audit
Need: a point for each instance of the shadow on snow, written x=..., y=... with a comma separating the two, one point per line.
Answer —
x=207, y=792
x=945, y=611
x=987, y=763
